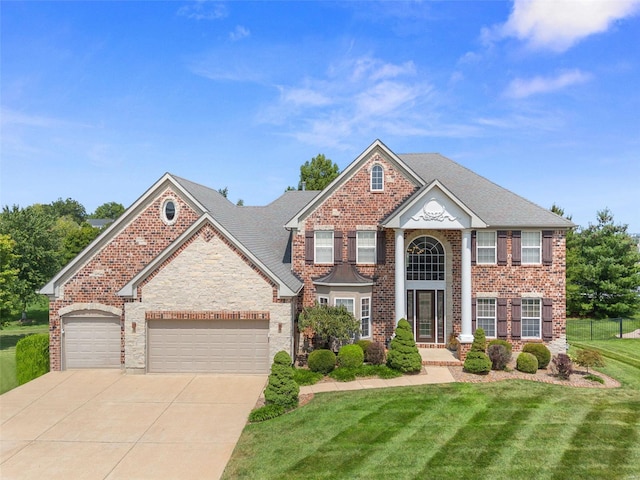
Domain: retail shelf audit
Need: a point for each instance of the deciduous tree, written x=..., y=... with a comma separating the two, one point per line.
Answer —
x=110, y=210
x=317, y=173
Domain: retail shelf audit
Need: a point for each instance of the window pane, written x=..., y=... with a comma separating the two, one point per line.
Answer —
x=324, y=246
x=425, y=259
x=347, y=302
x=531, y=317
x=530, y=239
x=365, y=314
x=486, y=239
x=377, y=178
x=486, y=315
x=366, y=247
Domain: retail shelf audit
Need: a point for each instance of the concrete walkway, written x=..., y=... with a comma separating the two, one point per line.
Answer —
x=429, y=375
x=103, y=424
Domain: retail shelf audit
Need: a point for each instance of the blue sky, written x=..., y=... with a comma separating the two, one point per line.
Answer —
x=99, y=99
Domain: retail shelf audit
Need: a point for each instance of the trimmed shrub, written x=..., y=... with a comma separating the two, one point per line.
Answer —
x=479, y=341
x=386, y=372
x=266, y=413
x=541, y=352
x=589, y=358
x=364, y=345
x=504, y=343
x=477, y=362
x=302, y=376
x=561, y=366
x=282, y=389
x=350, y=356
x=403, y=354
x=527, y=363
x=32, y=357
x=376, y=354
x=499, y=356
x=322, y=361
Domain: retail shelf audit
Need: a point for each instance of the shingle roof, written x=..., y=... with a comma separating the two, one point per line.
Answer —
x=495, y=205
x=259, y=229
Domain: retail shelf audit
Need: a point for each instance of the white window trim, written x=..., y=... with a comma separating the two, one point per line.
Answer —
x=486, y=247
x=315, y=248
x=381, y=189
x=163, y=214
x=323, y=297
x=362, y=299
x=523, y=247
x=538, y=318
x=494, y=318
x=375, y=247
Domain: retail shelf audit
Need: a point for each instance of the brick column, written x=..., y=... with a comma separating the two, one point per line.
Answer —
x=400, y=272
x=466, y=335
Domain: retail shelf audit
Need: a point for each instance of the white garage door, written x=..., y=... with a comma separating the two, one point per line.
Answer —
x=92, y=342
x=215, y=346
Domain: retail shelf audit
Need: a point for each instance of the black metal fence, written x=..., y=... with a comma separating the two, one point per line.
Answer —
x=606, y=329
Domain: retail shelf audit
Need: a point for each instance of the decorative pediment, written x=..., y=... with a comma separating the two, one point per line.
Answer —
x=434, y=207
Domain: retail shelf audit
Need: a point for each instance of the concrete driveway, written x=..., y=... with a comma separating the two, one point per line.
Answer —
x=103, y=424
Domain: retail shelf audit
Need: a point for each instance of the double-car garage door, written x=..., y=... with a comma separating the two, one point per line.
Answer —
x=216, y=346
x=207, y=346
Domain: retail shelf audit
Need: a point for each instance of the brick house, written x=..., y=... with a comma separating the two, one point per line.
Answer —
x=186, y=281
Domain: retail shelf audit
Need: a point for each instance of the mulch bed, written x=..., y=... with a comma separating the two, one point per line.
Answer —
x=577, y=379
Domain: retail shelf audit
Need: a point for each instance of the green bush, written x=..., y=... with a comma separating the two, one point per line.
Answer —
x=403, y=354
x=594, y=378
x=479, y=341
x=350, y=356
x=499, y=356
x=344, y=374
x=376, y=354
x=32, y=357
x=302, y=376
x=527, y=363
x=364, y=345
x=282, y=389
x=477, y=362
x=504, y=343
x=541, y=352
x=266, y=413
x=322, y=361
x=385, y=372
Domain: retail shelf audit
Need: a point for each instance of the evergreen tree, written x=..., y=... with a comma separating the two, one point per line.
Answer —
x=403, y=354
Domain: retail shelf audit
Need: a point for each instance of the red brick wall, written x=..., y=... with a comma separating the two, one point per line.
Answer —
x=357, y=205
x=110, y=269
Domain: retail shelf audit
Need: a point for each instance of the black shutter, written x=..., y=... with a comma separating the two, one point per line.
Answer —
x=516, y=247
x=547, y=247
x=473, y=247
x=501, y=315
x=502, y=247
x=337, y=247
x=351, y=247
x=381, y=247
x=516, y=316
x=547, y=318
x=473, y=315
x=308, y=246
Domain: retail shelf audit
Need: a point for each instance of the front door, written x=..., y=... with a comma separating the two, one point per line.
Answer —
x=425, y=316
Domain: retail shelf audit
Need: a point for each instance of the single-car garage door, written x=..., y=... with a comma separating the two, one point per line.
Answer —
x=92, y=342
x=215, y=346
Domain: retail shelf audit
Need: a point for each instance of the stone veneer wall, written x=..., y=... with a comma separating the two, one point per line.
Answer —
x=350, y=206
x=98, y=282
x=207, y=274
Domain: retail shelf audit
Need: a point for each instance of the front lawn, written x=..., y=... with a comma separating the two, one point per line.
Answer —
x=503, y=430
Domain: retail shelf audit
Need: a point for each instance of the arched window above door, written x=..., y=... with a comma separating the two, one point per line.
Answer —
x=425, y=259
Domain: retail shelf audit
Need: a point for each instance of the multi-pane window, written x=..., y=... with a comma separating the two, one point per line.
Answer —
x=531, y=247
x=486, y=247
x=531, y=317
x=365, y=317
x=324, y=246
x=377, y=178
x=323, y=301
x=425, y=259
x=366, y=250
x=348, y=303
x=486, y=315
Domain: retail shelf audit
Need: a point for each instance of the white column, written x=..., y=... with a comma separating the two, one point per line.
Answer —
x=400, y=272
x=465, y=286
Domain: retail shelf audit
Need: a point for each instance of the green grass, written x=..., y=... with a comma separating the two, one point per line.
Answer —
x=13, y=331
x=503, y=430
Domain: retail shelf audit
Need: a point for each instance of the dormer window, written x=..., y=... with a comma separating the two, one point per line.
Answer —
x=377, y=178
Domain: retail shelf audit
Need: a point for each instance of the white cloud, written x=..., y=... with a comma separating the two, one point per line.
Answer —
x=305, y=96
x=203, y=10
x=239, y=33
x=522, y=88
x=559, y=24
